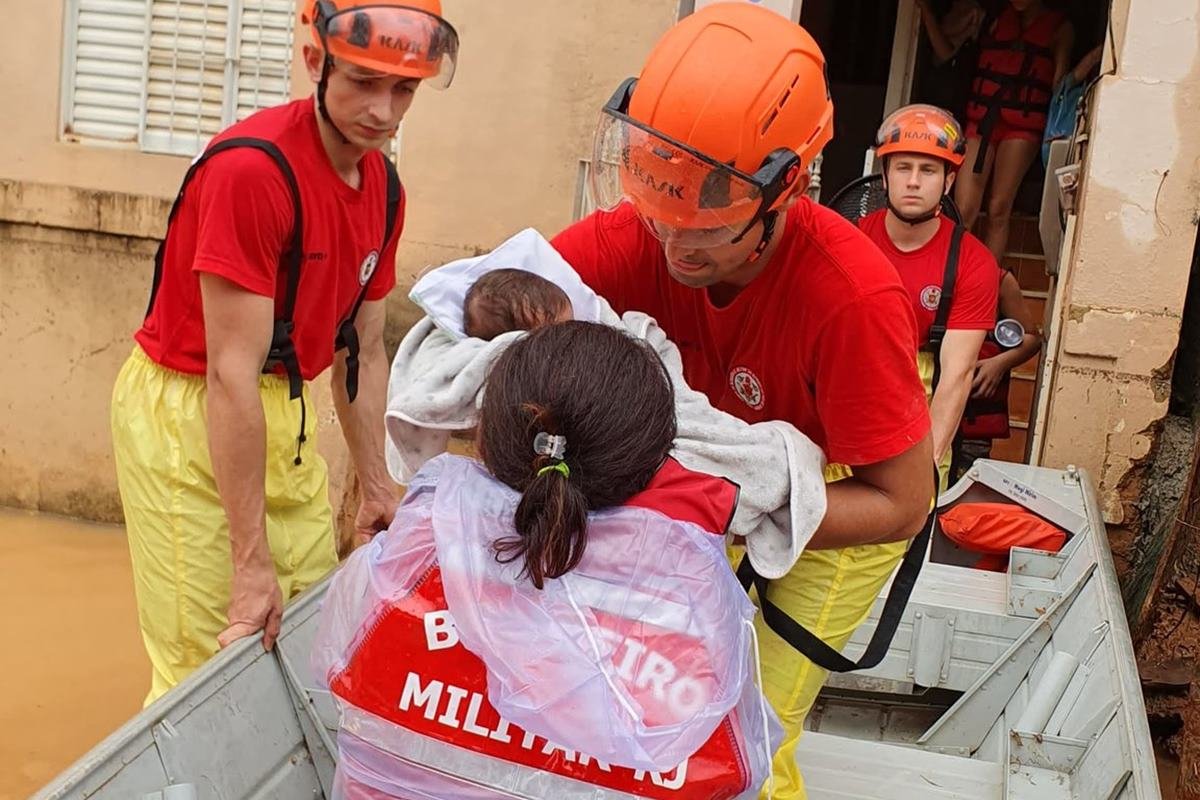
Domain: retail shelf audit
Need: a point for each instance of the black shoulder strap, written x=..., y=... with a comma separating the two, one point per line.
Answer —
x=395, y=191
x=810, y=645
x=937, y=331
x=347, y=335
x=294, y=248
x=282, y=351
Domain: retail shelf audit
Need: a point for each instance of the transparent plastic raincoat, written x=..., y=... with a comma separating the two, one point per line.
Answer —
x=630, y=676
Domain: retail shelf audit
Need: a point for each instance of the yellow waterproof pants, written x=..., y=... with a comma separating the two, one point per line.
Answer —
x=830, y=592
x=925, y=370
x=177, y=529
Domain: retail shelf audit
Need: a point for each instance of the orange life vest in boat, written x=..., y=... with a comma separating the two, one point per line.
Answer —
x=994, y=529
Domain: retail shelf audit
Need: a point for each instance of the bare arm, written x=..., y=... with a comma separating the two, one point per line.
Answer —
x=943, y=49
x=238, y=334
x=362, y=420
x=960, y=351
x=884, y=502
x=991, y=371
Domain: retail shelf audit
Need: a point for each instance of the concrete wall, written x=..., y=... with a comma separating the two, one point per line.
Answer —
x=497, y=152
x=1127, y=279
x=74, y=267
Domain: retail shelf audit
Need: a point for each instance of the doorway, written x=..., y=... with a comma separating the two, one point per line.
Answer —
x=857, y=38
x=879, y=58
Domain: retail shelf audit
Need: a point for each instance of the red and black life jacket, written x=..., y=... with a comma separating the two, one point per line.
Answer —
x=1013, y=81
x=282, y=357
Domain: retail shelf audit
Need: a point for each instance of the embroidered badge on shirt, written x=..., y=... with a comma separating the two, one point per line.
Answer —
x=368, y=267
x=747, y=387
x=930, y=297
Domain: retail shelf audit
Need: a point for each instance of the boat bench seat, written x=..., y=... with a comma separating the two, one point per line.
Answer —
x=838, y=768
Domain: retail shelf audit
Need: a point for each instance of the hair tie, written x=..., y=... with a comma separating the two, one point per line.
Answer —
x=551, y=446
x=561, y=466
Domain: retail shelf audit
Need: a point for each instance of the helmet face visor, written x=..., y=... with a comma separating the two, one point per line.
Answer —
x=681, y=193
x=392, y=39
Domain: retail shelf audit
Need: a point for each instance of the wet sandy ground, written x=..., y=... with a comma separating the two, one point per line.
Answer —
x=72, y=668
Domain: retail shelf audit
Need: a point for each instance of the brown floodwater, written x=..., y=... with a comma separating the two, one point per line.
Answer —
x=72, y=667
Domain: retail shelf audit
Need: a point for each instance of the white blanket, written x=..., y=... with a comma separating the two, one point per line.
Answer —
x=438, y=374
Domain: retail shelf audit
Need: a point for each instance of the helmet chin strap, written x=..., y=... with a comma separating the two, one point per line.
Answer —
x=327, y=68
x=769, y=219
x=914, y=219
x=768, y=231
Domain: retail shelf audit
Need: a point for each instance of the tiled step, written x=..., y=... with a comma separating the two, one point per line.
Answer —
x=1030, y=271
x=1020, y=400
x=1023, y=234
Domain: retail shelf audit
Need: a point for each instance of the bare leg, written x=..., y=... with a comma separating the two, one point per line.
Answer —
x=968, y=186
x=1013, y=157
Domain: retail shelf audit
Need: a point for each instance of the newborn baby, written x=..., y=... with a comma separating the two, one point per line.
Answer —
x=506, y=300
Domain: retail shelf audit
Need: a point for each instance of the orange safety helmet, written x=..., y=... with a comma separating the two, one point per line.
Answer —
x=925, y=130
x=732, y=103
x=408, y=38
x=737, y=81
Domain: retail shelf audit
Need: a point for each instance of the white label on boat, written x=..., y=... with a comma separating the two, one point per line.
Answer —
x=1019, y=491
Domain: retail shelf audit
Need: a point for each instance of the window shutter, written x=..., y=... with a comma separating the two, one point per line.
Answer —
x=169, y=74
x=189, y=68
x=105, y=69
x=264, y=59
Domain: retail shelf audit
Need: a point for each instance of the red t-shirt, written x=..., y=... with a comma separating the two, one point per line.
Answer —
x=976, y=287
x=236, y=220
x=823, y=338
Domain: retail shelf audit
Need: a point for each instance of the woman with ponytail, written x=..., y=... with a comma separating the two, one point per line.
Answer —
x=576, y=420
x=559, y=613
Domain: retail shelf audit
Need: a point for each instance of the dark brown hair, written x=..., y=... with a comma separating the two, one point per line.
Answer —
x=506, y=300
x=610, y=397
